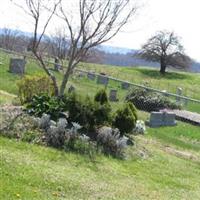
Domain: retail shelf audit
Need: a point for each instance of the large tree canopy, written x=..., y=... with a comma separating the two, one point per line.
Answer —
x=165, y=47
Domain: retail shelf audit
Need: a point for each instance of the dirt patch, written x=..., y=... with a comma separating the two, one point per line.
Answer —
x=181, y=154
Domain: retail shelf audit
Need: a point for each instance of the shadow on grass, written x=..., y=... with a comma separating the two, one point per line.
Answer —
x=156, y=74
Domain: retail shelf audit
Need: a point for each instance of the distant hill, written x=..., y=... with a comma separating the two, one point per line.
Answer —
x=115, y=50
x=120, y=56
x=112, y=55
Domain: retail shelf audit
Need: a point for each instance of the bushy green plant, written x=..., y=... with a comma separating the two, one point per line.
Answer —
x=101, y=97
x=125, y=119
x=133, y=109
x=45, y=104
x=149, y=101
x=30, y=86
x=30, y=136
x=86, y=112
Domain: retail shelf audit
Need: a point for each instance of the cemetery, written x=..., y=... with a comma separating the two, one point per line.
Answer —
x=75, y=126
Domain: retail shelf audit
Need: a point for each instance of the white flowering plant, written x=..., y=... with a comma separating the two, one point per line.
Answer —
x=139, y=127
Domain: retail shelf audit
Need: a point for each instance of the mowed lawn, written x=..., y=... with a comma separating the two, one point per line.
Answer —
x=35, y=172
x=163, y=164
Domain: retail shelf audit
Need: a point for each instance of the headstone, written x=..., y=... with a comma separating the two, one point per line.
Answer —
x=113, y=95
x=71, y=89
x=81, y=75
x=158, y=119
x=91, y=76
x=125, y=85
x=164, y=92
x=102, y=80
x=179, y=92
x=57, y=65
x=17, y=66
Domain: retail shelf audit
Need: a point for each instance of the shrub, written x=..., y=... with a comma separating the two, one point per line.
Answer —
x=45, y=104
x=133, y=109
x=30, y=136
x=34, y=85
x=150, y=101
x=101, y=97
x=111, y=141
x=102, y=114
x=125, y=120
x=139, y=127
x=56, y=135
x=86, y=112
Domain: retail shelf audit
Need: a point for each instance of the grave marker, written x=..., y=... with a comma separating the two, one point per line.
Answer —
x=113, y=95
x=91, y=76
x=101, y=79
x=158, y=119
x=17, y=66
x=125, y=85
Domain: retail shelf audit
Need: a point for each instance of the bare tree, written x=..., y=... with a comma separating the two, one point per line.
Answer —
x=96, y=22
x=8, y=38
x=35, y=9
x=165, y=48
x=89, y=24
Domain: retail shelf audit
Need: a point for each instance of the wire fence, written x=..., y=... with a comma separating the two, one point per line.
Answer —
x=119, y=89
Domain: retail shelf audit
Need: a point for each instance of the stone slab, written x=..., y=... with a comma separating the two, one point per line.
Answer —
x=113, y=95
x=101, y=79
x=17, y=66
x=125, y=86
x=91, y=76
x=158, y=119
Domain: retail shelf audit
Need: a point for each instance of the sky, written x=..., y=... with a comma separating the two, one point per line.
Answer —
x=180, y=16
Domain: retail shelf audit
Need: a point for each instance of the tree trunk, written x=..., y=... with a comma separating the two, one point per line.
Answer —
x=163, y=66
x=64, y=82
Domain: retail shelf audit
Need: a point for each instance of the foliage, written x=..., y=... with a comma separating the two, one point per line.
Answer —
x=86, y=112
x=30, y=86
x=165, y=47
x=56, y=135
x=139, y=127
x=125, y=119
x=149, y=101
x=111, y=141
x=101, y=97
x=31, y=137
x=45, y=104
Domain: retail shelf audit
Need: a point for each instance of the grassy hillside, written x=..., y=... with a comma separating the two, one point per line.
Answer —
x=188, y=81
x=34, y=172
x=164, y=164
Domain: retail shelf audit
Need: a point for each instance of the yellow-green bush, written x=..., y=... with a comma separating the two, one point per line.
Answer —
x=34, y=85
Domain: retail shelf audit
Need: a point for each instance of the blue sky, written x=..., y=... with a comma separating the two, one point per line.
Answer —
x=180, y=16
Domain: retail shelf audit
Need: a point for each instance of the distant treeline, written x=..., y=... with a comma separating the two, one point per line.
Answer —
x=57, y=45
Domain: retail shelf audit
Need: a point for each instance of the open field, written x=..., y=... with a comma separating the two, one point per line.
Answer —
x=164, y=164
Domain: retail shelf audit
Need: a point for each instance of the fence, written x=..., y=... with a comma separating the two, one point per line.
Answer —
x=98, y=80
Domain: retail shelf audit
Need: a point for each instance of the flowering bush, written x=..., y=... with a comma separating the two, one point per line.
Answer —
x=111, y=141
x=139, y=127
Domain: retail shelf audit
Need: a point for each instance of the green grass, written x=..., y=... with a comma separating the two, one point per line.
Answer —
x=34, y=172
x=188, y=81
